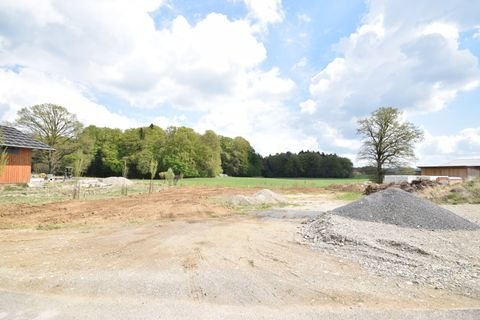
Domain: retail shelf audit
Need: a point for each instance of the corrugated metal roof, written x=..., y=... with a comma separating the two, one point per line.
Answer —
x=457, y=163
x=11, y=137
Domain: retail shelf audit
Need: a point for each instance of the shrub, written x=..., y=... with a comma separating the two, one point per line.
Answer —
x=170, y=176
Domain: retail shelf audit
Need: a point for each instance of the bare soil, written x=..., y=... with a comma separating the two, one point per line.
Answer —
x=180, y=255
x=171, y=203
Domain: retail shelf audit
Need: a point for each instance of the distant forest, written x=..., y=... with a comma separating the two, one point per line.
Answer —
x=103, y=152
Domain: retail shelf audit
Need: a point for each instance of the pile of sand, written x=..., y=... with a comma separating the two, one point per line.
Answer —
x=264, y=196
x=117, y=181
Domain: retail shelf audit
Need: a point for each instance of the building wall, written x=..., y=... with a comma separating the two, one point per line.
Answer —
x=474, y=172
x=463, y=172
x=19, y=167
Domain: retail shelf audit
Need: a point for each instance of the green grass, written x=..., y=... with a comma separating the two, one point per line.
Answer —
x=266, y=182
x=63, y=191
x=348, y=196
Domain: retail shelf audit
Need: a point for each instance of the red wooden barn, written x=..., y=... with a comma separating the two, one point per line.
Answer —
x=19, y=148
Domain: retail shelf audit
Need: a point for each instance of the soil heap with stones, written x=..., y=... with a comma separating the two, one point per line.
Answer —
x=400, y=208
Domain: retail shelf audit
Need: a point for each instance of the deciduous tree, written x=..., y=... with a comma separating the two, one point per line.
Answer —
x=53, y=125
x=387, y=140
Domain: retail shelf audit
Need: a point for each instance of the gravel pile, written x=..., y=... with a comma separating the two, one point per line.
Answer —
x=400, y=208
x=264, y=196
x=442, y=259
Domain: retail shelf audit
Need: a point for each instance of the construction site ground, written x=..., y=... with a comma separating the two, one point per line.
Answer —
x=183, y=254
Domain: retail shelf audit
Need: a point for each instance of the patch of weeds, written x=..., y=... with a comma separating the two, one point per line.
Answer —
x=348, y=196
x=468, y=192
x=47, y=227
x=135, y=221
x=15, y=187
x=456, y=198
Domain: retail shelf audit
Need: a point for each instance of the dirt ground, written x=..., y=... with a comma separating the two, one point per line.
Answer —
x=173, y=203
x=180, y=255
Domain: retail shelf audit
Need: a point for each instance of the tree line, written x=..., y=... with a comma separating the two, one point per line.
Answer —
x=102, y=152
x=106, y=152
x=309, y=164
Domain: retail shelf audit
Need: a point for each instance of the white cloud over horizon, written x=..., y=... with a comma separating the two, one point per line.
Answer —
x=464, y=144
x=215, y=71
x=403, y=56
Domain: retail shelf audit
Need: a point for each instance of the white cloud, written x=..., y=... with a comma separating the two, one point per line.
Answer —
x=265, y=11
x=476, y=35
x=212, y=71
x=211, y=68
x=175, y=121
x=448, y=31
x=29, y=87
x=406, y=56
x=441, y=149
x=266, y=123
x=308, y=106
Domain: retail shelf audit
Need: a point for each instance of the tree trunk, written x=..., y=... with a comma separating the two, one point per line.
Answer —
x=379, y=174
x=50, y=162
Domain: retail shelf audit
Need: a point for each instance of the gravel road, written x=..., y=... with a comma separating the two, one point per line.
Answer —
x=233, y=267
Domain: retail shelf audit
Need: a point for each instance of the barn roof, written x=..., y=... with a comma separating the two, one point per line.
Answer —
x=456, y=163
x=11, y=137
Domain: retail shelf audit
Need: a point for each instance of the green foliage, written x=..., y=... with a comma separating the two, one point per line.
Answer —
x=274, y=183
x=169, y=176
x=124, y=167
x=180, y=151
x=468, y=192
x=82, y=157
x=3, y=159
x=207, y=155
x=3, y=155
x=142, y=152
x=235, y=156
x=53, y=125
x=105, y=151
x=387, y=141
x=153, y=168
x=348, y=196
x=79, y=167
x=139, y=145
x=307, y=164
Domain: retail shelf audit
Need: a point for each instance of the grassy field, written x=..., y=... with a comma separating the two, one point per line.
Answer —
x=53, y=192
x=266, y=182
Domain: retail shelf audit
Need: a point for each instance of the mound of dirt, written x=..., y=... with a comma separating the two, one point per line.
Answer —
x=400, y=208
x=117, y=181
x=264, y=196
x=414, y=186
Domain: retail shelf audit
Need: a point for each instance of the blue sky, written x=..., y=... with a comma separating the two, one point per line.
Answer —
x=286, y=75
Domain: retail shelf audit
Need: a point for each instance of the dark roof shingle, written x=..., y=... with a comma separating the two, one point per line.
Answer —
x=11, y=137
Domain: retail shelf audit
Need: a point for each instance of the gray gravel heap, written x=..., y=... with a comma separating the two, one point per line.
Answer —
x=400, y=208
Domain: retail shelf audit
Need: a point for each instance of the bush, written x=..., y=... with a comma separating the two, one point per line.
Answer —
x=170, y=176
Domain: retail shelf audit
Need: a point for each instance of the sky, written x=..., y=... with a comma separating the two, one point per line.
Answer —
x=287, y=75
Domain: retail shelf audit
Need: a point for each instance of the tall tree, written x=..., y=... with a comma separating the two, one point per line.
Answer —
x=387, y=140
x=207, y=155
x=53, y=125
x=106, y=158
x=179, y=152
x=235, y=156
